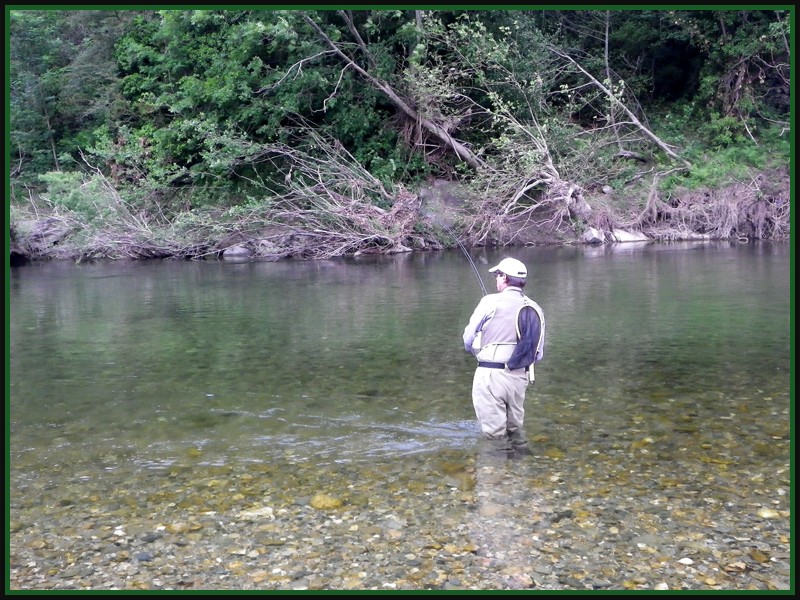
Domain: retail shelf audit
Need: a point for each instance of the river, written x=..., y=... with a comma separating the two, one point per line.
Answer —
x=308, y=425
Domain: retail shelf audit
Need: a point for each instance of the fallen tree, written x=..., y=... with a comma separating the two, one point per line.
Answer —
x=437, y=129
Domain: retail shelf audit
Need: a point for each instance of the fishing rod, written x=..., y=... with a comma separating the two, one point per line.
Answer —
x=463, y=249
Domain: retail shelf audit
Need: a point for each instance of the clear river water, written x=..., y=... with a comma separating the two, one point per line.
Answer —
x=159, y=393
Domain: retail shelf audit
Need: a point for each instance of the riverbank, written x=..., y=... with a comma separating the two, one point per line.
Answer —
x=434, y=218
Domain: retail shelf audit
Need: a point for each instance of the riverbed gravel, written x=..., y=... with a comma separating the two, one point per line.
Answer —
x=632, y=517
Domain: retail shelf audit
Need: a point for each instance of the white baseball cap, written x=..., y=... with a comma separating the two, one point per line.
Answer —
x=511, y=267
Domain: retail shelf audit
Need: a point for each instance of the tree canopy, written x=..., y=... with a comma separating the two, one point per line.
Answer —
x=531, y=109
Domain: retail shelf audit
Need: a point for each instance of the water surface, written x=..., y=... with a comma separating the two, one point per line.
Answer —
x=667, y=370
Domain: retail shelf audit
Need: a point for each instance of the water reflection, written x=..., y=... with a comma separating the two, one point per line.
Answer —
x=188, y=394
x=350, y=360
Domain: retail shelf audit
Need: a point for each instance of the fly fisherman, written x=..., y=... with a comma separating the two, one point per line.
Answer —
x=506, y=335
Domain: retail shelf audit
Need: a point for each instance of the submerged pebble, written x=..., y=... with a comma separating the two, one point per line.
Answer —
x=465, y=521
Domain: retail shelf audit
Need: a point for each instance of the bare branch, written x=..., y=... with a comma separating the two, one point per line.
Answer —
x=653, y=137
x=297, y=68
x=347, y=15
x=436, y=129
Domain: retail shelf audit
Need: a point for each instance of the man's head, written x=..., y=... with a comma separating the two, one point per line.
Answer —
x=510, y=271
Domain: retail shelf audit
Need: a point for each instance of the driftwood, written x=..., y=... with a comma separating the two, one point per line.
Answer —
x=747, y=210
x=751, y=210
x=332, y=206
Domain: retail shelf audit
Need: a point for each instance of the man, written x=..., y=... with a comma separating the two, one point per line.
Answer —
x=506, y=335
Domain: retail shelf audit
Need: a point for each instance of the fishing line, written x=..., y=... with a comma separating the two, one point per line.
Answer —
x=463, y=249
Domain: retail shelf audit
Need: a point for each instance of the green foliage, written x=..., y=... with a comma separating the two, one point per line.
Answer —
x=722, y=131
x=183, y=100
x=72, y=191
x=713, y=169
x=400, y=165
x=36, y=59
x=720, y=166
x=776, y=145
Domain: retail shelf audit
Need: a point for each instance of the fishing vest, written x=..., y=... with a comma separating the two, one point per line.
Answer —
x=500, y=352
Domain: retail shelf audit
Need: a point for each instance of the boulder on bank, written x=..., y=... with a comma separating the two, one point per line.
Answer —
x=594, y=235
x=620, y=235
x=237, y=252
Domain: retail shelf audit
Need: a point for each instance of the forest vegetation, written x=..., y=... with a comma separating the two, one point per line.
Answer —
x=310, y=134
